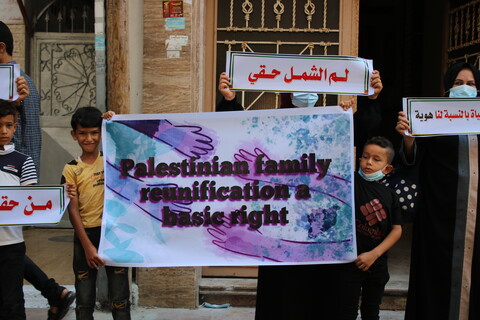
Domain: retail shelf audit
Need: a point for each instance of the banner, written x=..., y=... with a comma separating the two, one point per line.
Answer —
x=299, y=73
x=32, y=205
x=442, y=116
x=229, y=188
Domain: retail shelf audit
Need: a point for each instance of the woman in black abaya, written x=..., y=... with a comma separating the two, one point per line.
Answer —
x=445, y=258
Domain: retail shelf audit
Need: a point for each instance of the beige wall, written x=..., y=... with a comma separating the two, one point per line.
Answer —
x=18, y=31
x=167, y=82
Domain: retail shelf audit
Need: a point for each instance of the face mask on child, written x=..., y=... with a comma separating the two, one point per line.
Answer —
x=463, y=91
x=375, y=176
x=303, y=99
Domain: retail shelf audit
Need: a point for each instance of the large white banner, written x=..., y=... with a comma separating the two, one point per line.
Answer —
x=299, y=73
x=442, y=116
x=32, y=205
x=229, y=188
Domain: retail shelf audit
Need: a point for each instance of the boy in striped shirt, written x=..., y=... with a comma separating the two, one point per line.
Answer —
x=16, y=169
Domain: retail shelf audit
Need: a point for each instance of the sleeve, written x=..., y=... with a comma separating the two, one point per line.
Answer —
x=396, y=214
x=68, y=174
x=367, y=121
x=232, y=105
x=29, y=174
x=403, y=158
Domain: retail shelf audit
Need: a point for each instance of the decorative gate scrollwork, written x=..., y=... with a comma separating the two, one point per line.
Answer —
x=276, y=26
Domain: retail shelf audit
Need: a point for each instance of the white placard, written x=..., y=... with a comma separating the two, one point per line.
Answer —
x=299, y=73
x=8, y=86
x=442, y=116
x=32, y=205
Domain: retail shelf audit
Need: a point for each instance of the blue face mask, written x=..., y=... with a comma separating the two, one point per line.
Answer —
x=375, y=176
x=303, y=99
x=463, y=91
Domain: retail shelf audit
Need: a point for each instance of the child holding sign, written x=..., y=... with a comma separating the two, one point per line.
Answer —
x=16, y=169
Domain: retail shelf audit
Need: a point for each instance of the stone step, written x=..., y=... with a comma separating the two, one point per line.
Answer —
x=241, y=292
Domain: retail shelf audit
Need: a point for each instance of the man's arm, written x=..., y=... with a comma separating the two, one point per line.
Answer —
x=365, y=260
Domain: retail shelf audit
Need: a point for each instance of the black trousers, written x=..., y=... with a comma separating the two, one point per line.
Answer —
x=85, y=282
x=12, y=304
x=49, y=288
x=369, y=285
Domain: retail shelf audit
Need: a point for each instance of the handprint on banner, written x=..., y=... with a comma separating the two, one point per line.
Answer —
x=241, y=240
x=120, y=248
x=373, y=212
x=126, y=191
x=330, y=185
x=322, y=220
x=191, y=141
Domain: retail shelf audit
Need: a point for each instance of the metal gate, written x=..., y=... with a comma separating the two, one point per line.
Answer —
x=62, y=65
x=464, y=33
x=276, y=26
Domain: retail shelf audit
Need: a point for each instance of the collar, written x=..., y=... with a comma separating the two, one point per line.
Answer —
x=9, y=148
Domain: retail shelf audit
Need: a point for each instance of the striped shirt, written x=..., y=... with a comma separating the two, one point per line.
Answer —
x=16, y=169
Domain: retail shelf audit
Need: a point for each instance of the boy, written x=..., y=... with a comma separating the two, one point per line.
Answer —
x=15, y=169
x=377, y=217
x=86, y=172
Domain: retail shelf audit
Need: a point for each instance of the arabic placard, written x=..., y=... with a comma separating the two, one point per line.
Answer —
x=32, y=205
x=229, y=188
x=299, y=73
x=442, y=116
x=8, y=86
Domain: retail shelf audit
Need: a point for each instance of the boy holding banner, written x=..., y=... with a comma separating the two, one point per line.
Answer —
x=16, y=169
x=87, y=173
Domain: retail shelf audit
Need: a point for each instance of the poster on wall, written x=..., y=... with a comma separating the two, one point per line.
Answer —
x=172, y=9
x=229, y=188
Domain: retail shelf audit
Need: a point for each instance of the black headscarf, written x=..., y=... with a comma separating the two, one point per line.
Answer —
x=453, y=71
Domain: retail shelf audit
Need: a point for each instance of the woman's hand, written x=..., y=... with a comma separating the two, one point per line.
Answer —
x=376, y=84
x=224, y=87
x=347, y=104
x=403, y=125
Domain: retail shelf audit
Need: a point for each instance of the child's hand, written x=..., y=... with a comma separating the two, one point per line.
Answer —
x=365, y=260
x=347, y=104
x=93, y=259
x=71, y=189
x=108, y=115
x=22, y=90
x=224, y=87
